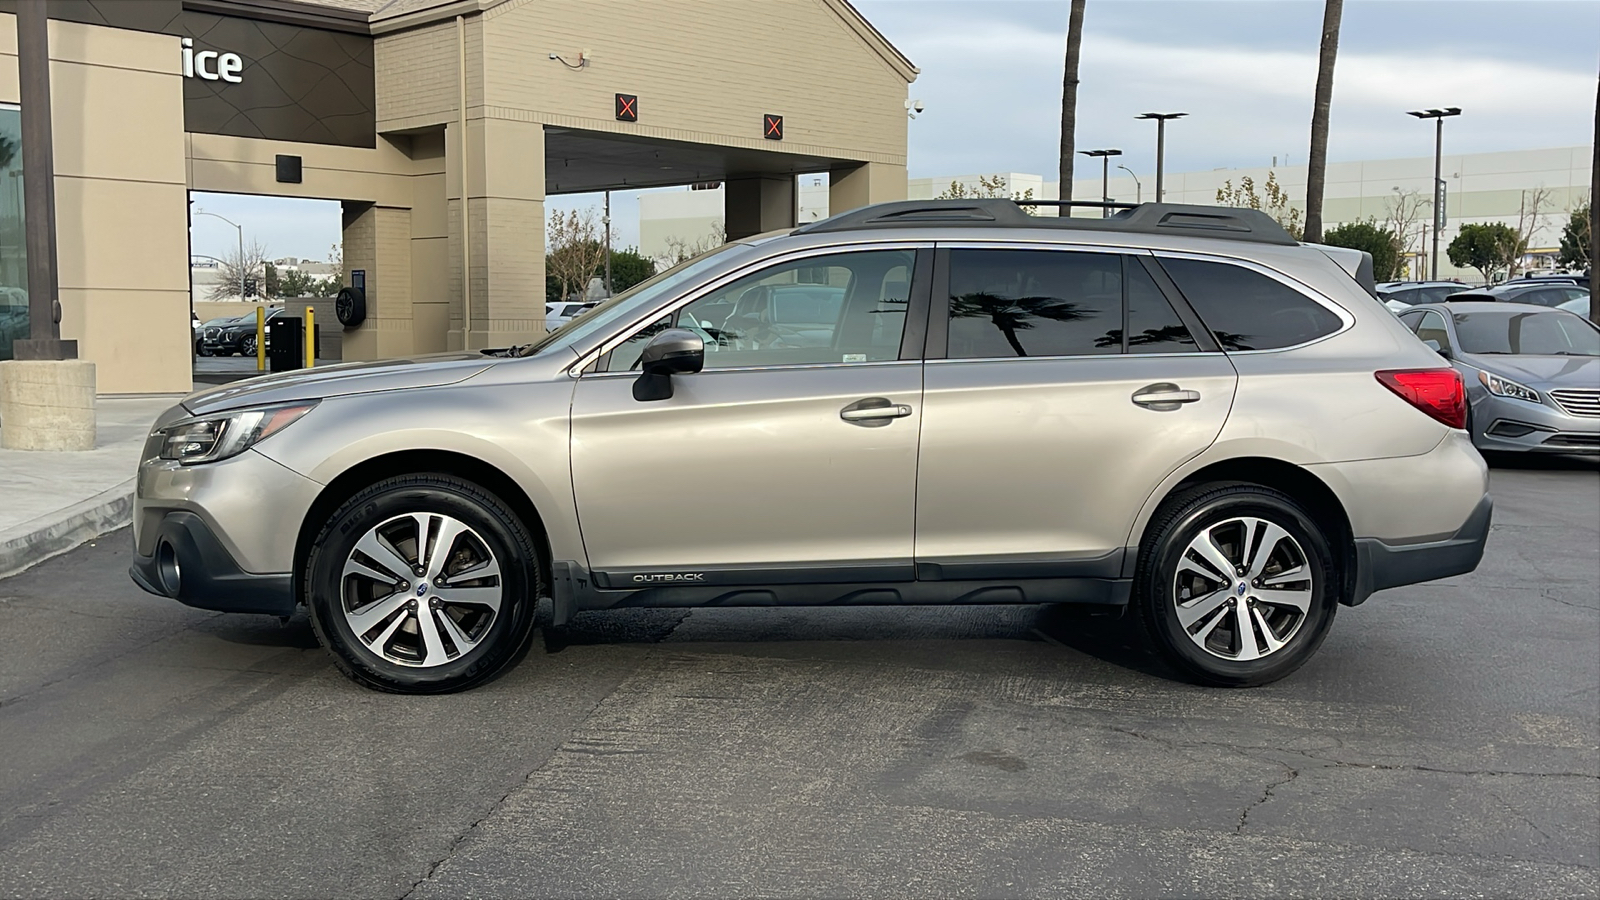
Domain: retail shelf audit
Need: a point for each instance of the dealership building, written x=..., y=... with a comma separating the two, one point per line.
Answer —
x=441, y=126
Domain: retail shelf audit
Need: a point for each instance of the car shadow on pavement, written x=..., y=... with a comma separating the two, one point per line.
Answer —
x=263, y=631
x=1102, y=634
x=1541, y=462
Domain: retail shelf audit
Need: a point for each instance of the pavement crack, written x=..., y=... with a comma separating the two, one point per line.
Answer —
x=78, y=672
x=1547, y=594
x=521, y=783
x=1520, y=815
x=670, y=631
x=1331, y=762
x=1244, y=816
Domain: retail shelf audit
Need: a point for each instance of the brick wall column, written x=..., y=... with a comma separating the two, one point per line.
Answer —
x=504, y=233
x=377, y=239
x=752, y=205
x=857, y=186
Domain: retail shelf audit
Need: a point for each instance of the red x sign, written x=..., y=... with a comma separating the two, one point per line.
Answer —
x=627, y=108
x=772, y=127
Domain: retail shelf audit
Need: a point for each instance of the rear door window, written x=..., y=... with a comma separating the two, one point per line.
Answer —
x=1153, y=325
x=1247, y=310
x=1011, y=303
x=1432, y=328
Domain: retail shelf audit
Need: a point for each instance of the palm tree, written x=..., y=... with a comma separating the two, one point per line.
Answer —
x=1317, y=169
x=1014, y=315
x=1069, y=101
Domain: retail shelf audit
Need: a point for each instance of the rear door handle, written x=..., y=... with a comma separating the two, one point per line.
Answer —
x=873, y=411
x=1164, y=396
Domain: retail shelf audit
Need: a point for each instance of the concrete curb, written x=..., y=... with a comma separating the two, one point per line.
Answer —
x=51, y=535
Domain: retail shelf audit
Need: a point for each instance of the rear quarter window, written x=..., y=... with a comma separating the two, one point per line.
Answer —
x=1247, y=310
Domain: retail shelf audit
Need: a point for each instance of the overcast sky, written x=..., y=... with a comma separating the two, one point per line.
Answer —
x=1523, y=71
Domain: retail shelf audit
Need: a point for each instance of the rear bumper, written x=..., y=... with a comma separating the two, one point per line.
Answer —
x=1380, y=566
x=191, y=566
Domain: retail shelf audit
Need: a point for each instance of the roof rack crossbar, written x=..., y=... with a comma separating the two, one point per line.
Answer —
x=1087, y=204
x=1221, y=222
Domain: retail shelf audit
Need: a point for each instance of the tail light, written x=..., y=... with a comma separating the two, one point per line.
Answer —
x=1438, y=392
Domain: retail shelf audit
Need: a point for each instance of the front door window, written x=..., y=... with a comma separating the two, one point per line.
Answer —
x=840, y=308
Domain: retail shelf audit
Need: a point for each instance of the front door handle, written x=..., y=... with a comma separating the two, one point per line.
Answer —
x=1164, y=396
x=873, y=412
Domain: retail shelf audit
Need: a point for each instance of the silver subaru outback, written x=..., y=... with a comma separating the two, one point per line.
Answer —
x=1176, y=409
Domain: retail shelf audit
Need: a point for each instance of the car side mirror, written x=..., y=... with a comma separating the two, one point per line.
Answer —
x=676, y=351
x=1438, y=348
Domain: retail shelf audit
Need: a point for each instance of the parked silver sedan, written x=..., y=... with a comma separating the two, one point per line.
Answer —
x=1532, y=373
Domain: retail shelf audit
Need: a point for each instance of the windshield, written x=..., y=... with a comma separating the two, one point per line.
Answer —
x=1520, y=332
x=640, y=294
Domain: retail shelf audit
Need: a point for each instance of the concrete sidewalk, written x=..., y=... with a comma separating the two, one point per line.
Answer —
x=52, y=502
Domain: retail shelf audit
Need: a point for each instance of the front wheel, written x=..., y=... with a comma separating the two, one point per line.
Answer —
x=423, y=584
x=247, y=347
x=1235, y=584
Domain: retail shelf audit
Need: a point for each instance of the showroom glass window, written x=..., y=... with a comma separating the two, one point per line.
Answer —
x=13, y=252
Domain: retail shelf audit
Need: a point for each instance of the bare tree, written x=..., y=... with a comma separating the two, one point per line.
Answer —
x=1403, y=218
x=989, y=186
x=1530, y=219
x=236, y=277
x=1275, y=204
x=680, y=249
x=1069, y=100
x=574, y=250
x=1317, y=163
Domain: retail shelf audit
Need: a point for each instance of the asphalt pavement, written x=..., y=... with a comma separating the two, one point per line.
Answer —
x=1444, y=742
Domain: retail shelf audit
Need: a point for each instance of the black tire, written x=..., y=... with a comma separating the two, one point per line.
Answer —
x=505, y=535
x=247, y=347
x=1179, y=521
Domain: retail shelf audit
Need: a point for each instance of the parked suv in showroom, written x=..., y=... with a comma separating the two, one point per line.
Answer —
x=1178, y=409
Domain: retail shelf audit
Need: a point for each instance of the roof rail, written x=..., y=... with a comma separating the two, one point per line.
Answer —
x=1187, y=220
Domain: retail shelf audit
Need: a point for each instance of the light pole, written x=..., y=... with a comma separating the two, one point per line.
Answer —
x=1438, y=115
x=1161, y=145
x=1105, y=177
x=39, y=192
x=608, y=243
x=240, y=263
x=1137, y=186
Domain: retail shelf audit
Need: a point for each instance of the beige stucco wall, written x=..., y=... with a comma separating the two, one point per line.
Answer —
x=704, y=72
x=124, y=164
x=795, y=58
x=121, y=220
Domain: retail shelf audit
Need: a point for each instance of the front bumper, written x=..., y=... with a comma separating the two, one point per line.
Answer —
x=191, y=566
x=1380, y=565
x=220, y=535
x=1509, y=425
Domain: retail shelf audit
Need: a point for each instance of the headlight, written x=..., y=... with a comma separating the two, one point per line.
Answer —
x=1505, y=387
x=210, y=438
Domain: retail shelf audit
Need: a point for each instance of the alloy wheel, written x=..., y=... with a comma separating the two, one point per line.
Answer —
x=1243, y=588
x=421, y=590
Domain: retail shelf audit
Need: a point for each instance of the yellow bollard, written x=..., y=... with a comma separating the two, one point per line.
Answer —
x=311, y=337
x=261, y=339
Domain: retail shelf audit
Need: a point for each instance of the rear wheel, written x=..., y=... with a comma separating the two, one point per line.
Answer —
x=423, y=584
x=1235, y=584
